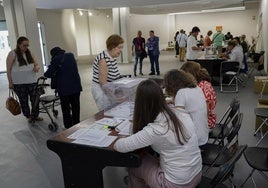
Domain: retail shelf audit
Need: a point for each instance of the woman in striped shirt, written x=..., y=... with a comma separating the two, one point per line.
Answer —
x=105, y=70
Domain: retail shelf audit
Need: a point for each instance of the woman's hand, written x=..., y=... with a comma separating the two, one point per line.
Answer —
x=10, y=85
x=36, y=68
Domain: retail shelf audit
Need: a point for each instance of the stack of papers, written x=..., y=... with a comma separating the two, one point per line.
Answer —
x=93, y=137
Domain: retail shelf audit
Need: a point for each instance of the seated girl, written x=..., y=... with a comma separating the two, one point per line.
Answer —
x=203, y=81
x=182, y=87
x=169, y=132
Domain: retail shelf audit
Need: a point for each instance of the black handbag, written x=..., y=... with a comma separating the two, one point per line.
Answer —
x=143, y=54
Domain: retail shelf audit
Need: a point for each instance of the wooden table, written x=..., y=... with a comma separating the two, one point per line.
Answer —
x=82, y=165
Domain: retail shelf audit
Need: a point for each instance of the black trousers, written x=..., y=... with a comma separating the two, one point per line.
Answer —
x=70, y=106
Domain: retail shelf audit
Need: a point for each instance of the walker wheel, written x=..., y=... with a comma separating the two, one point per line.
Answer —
x=53, y=126
x=55, y=113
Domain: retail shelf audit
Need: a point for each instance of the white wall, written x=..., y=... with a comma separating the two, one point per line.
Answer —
x=158, y=23
x=2, y=14
x=237, y=22
x=59, y=29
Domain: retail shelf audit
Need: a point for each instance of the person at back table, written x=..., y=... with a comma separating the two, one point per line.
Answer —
x=68, y=84
x=208, y=41
x=218, y=39
x=182, y=40
x=170, y=132
x=182, y=88
x=192, y=49
x=21, y=73
x=105, y=70
x=138, y=47
x=204, y=82
x=235, y=54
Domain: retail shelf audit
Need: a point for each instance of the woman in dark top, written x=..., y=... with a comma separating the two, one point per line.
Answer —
x=68, y=84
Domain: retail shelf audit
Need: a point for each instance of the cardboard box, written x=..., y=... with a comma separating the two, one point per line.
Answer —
x=258, y=84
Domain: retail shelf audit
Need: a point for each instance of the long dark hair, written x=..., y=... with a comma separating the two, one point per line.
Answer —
x=149, y=102
x=175, y=79
x=196, y=70
x=28, y=54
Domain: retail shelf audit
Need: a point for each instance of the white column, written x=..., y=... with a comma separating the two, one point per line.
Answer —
x=21, y=20
x=120, y=26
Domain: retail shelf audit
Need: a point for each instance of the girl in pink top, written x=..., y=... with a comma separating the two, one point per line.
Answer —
x=203, y=81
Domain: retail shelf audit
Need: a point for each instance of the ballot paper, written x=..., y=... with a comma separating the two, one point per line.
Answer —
x=125, y=128
x=109, y=122
x=93, y=137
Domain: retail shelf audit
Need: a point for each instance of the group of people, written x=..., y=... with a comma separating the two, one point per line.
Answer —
x=138, y=50
x=176, y=129
x=22, y=69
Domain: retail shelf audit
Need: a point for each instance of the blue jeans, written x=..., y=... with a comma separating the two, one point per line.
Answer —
x=138, y=59
x=154, y=62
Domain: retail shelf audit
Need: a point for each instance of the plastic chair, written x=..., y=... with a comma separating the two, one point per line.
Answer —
x=225, y=172
x=229, y=72
x=257, y=158
x=215, y=155
x=221, y=127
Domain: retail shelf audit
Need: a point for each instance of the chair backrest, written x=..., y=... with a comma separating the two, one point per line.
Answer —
x=226, y=170
x=236, y=125
x=229, y=108
x=235, y=108
x=229, y=66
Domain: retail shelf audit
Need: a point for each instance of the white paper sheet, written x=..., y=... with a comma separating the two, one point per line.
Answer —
x=125, y=128
x=104, y=142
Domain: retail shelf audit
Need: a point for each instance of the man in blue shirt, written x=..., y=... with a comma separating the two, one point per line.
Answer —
x=153, y=52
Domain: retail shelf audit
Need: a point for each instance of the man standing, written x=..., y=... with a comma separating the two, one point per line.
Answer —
x=153, y=52
x=139, y=46
x=182, y=40
x=217, y=39
x=192, y=49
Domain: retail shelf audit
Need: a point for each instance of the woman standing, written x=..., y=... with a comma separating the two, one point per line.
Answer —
x=170, y=132
x=21, y=73
x=105, y=70
x=203, y=81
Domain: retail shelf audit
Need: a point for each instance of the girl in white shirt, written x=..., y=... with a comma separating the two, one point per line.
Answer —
x=182, y=87
x=170, y=132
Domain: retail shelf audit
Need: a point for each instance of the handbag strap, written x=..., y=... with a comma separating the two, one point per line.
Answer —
x=13, y=94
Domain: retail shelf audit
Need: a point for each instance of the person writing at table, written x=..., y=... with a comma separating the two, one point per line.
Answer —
x=105, y=70
x=170, y=132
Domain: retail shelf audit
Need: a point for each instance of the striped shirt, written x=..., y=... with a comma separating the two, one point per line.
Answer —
x=113, y=72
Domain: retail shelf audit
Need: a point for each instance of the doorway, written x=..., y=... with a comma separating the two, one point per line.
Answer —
x=42, y=38
x=4, y=45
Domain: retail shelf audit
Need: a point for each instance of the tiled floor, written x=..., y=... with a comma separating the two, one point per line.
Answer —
x=26, y=162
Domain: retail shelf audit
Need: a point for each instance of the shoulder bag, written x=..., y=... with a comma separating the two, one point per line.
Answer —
x=12, y=103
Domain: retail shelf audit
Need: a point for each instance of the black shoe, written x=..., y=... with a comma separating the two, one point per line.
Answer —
x=158, y=73
x=135, y=74
x=141, y=73
x=152, y=73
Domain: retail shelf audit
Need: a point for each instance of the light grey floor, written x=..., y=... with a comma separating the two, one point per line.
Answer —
x=26, y=162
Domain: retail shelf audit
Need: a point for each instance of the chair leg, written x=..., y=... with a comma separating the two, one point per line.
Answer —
x=249, y=176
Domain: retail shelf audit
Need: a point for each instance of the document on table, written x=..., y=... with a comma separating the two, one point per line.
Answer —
x=125, y=128
x=123, y=110
x=110, y=122
x=93, y=137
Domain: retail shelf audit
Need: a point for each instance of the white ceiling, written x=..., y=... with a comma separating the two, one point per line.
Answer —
x=143, y=6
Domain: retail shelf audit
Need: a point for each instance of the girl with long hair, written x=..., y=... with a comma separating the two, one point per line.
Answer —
x=170, y=133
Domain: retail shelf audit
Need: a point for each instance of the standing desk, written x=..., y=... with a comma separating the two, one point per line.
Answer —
x=213, y=67
x=82, y=165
